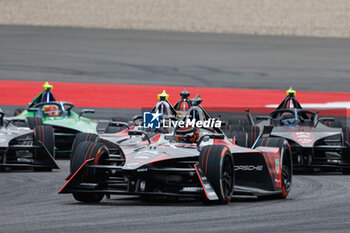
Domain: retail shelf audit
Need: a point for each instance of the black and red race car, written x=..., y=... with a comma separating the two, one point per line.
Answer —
x=190, y=162
x=315, y=142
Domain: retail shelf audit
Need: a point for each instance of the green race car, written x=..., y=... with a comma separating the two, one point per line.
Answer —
x=44, y=109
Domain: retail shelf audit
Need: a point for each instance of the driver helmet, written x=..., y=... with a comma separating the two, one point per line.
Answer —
x=50, y=110
x=187, y=135
x=287, y=119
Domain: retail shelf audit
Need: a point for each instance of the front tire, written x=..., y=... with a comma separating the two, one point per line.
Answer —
x=88, y=197
x=81, y=137
x=84, y=151
x=217, y=165
x=45, y=135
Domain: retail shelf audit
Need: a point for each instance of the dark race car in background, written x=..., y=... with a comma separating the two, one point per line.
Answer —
x=315, y=142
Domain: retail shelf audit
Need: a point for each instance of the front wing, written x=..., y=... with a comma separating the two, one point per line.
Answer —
x=21, y=157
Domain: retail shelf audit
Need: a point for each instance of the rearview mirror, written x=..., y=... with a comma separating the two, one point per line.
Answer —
x=205, y=138
x=136, y=118
x=139, y=133
x=118, y=124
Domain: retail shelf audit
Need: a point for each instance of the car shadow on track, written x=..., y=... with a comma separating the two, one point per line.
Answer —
x=318, y=173
x=136, y=201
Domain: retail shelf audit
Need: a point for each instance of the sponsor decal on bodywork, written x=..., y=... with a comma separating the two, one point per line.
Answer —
x=249, y=168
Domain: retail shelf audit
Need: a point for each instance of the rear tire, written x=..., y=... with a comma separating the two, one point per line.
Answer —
x=232, y=130
x=45, y=135
x=233, y=127
x=241, y=139
x=34, y=121
x=333, y=124
x=217, y=165
x=246, y=137
x=240, y=121
x=252, y=134
x=287, y=166
x=236, y=128
x=84, y=151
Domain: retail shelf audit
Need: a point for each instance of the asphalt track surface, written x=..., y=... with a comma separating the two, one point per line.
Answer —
x=29, y=201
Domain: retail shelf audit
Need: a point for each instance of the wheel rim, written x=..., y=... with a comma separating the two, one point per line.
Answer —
x=227, y=176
